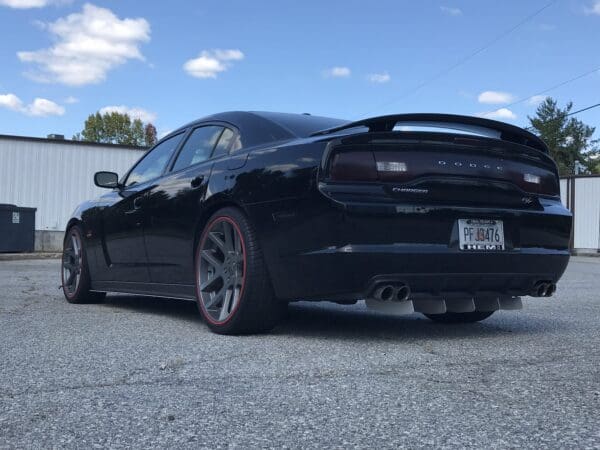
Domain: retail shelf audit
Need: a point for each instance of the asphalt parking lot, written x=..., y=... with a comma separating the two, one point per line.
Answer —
x=146, y=372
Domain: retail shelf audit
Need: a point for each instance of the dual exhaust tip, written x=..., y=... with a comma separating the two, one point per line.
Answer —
x=392, y=292
x=400, y=292
x=543, y=289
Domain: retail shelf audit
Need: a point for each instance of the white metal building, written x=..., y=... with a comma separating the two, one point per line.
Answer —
x=54, y=176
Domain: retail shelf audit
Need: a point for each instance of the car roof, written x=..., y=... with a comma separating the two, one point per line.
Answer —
x=259, y=127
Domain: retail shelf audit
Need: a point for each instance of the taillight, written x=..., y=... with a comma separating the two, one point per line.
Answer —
x=353, y=166
x=536, y=181
x=405, y=166
x=371, y=166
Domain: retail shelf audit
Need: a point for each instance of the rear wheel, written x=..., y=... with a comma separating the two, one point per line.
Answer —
x=75, y=274
x=233, y=289
x=467, y=317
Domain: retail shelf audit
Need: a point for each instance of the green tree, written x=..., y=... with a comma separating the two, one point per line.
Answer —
x=568, y=138
x=149, y=135
x=113, y=128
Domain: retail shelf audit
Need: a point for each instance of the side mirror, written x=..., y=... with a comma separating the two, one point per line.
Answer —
x=108, y=180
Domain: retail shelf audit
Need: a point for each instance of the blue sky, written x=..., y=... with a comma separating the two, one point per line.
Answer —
x=172, y=62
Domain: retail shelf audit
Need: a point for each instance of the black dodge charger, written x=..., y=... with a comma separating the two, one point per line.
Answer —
x=451, y=216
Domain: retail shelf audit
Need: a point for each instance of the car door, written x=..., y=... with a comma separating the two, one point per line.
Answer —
x=173, y=205
x=124, y=220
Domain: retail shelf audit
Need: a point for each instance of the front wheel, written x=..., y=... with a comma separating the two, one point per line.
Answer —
x=75, y=273
x=467, y=317
x=233, y=288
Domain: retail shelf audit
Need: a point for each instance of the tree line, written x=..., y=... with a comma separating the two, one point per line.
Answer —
x=117, y=128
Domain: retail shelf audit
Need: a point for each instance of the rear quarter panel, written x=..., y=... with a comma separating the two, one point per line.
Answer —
x=278, y=190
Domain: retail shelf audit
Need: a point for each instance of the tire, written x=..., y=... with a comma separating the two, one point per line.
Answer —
x=75, y=273
x=233, y=289
x=467, y=317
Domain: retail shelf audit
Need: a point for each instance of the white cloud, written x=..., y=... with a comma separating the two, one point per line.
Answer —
x=536, y=100
x=40, y=107
x=383, y=77
x=88, y=45
x=212, y=62
x=135, y=113
x=11, y=101
x=337, y=72
x=27, y=4
x=495, y=97
x=451, y=11
x=594, y=9
x=43, y=107
x=502, y=113
x=71, y=100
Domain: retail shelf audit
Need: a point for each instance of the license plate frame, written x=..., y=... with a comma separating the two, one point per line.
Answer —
x=484, y=235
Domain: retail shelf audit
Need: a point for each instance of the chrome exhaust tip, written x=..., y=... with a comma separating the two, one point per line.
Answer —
x=384, y=293
x=402, y=293
x=540, y=289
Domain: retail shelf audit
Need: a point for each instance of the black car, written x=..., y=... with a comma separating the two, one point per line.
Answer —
x=452, y=216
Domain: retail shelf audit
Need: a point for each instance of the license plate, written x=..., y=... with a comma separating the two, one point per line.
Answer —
x=480, y=234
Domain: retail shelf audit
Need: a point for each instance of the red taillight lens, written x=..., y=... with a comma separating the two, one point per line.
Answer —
x=353, y=166
x=536, y=181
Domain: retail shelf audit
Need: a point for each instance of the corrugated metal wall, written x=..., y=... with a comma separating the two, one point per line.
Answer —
x=581, y=194
x=587, y=213
x=55, y=177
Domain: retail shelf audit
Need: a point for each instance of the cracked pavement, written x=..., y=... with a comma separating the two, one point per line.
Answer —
x=146, y=372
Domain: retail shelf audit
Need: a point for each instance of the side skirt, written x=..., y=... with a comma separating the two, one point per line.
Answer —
x=178, y=291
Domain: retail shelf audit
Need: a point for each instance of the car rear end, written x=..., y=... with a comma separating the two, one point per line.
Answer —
x=473, y=213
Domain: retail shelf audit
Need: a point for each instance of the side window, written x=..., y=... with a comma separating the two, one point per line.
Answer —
x=198, y=147
x=225, y=142
x=153, y=164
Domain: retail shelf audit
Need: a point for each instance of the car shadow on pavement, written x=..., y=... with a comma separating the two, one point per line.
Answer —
x=328, y=320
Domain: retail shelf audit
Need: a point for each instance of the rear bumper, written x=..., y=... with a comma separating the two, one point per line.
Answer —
x=351, y=271
x=319, y=250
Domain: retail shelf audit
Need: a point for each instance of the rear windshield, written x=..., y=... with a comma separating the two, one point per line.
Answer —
x=303, y=125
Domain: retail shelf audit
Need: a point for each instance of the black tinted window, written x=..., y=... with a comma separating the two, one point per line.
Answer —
x=198, y=147
x=302, y=125
x=154, y=162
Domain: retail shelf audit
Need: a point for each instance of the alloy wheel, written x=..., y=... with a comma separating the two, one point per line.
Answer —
x=221, y=269
x=72, y=264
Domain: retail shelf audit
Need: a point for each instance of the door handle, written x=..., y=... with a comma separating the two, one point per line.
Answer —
x=197, y=182
x=137, y=202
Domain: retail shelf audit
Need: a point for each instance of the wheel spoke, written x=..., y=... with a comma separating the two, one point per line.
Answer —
x=214, y=300
x=206, y=286
x=209, y=256
x=213, y=236
x=74, y=241
x=72, y=277
x=236, y=297
x=225, y=308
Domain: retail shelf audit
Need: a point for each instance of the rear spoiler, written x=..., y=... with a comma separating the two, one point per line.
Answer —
x=477, y=125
